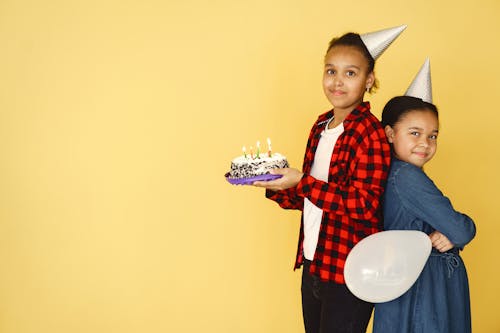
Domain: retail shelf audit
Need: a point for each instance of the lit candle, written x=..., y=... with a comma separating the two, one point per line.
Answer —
x=251, y=152
x=244, y=152
x=269, y=147
x=258, y=149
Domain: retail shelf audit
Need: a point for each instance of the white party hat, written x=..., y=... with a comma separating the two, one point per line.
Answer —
x=378, y=41
x=421, y=86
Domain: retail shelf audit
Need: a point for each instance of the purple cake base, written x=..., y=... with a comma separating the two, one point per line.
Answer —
x=250, y=180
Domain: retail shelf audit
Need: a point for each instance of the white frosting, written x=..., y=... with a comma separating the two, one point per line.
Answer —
x=262, y=158
x=247, y=166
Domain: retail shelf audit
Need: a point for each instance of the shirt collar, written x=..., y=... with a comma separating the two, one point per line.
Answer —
x=355, y=114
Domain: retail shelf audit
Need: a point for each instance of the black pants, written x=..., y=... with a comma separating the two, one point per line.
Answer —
x=328, y=307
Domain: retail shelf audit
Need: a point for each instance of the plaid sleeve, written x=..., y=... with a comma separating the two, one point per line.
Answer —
x=286, y=199
x=358, y=193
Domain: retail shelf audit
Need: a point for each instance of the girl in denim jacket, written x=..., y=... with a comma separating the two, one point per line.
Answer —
x=439, y=299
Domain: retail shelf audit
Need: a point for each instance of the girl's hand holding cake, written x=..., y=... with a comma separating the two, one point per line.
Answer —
x=291, y=177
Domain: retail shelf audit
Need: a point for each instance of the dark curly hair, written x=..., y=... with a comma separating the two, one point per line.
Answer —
x=352, y=39
x=399, y=106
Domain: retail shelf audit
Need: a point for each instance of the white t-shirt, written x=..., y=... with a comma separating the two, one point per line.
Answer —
x=319, y=170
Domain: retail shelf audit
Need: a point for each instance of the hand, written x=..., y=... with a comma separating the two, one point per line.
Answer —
x=440, y=242
x=291, y=177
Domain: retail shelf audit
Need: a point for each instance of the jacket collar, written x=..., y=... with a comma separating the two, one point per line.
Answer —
x=355, y=114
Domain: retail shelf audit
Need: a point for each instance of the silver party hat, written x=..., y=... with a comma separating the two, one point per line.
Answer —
x=421, y=86
x=378, y=41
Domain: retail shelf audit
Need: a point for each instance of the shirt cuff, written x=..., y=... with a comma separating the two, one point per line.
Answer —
x=303, y=188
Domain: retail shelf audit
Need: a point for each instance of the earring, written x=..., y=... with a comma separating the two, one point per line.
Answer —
x=368, y=89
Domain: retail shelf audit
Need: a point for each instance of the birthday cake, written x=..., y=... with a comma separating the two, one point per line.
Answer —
x=247, y=166
x=250, y=167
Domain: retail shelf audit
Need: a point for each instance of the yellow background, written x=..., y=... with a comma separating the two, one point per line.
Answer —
x=118, y=120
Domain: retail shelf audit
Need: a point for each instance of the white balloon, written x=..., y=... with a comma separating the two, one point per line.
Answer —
x=383, y=266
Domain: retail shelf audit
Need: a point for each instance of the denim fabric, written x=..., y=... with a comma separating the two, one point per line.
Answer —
x=439, y=300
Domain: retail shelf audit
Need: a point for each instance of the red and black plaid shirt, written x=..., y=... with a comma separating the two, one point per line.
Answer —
x=351, y=199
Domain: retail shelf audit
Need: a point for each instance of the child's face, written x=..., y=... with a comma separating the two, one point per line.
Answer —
x=346, y=77
x=414, y=137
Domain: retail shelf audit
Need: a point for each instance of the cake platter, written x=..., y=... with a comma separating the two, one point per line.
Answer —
x=250, y=180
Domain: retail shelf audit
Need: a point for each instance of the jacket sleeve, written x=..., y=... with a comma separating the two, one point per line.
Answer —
x=421, y=198
x=358, y=192
x=286, y=199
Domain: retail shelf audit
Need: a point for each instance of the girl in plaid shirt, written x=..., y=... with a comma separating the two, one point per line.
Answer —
x=338, y=190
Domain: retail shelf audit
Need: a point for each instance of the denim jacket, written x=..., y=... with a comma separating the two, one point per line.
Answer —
x=439, y=300
x=412, y=201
